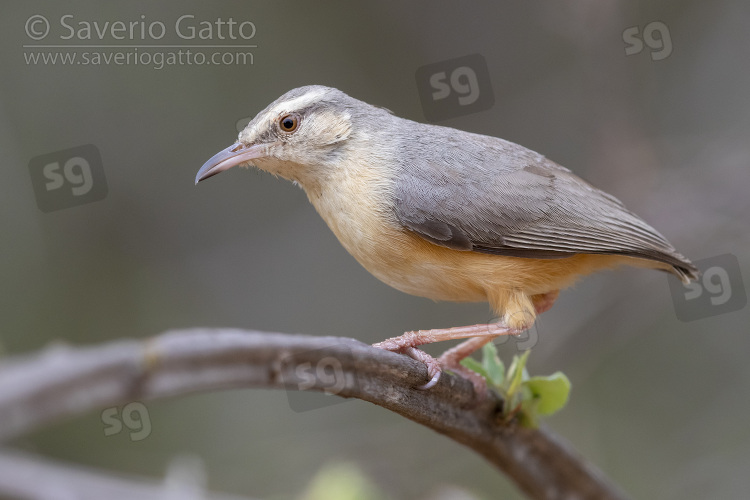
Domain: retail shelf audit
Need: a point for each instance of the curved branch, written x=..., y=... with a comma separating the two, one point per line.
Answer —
x=62, y=382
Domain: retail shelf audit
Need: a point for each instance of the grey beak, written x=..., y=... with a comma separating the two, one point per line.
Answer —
x=230, y=157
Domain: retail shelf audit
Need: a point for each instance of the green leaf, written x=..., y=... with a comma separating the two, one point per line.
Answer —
x=475, y=366
x=515, y=373
x=526, y=398
x=549, y=393
x=493, y=366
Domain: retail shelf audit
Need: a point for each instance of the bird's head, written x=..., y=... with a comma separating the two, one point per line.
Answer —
x=301, y=136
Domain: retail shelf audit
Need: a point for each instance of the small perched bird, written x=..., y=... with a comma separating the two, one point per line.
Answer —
x=446, y=214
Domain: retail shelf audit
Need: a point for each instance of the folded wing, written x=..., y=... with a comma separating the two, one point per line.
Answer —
x=487, y=195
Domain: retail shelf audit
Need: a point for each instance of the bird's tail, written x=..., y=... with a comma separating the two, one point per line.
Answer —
x=686, y=271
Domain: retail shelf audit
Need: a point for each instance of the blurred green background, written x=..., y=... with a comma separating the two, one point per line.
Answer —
x=659, y=404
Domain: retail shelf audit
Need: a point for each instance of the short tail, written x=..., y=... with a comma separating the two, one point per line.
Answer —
x=686, y=271
x=678, y=265
x=671, y=262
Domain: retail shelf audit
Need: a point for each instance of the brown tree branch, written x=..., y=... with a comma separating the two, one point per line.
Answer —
x=62, y=382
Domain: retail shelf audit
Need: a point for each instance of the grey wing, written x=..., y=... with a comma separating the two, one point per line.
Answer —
x=507, y=200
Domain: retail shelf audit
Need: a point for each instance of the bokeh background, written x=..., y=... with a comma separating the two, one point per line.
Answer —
x=661, y=405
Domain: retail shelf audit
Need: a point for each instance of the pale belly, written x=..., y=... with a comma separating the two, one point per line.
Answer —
x=415, y=266
x=410, y=269
x=400, y=259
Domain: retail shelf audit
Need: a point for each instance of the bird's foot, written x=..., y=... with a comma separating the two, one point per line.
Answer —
x=451, y=360
x=435, y=368
x=478, y=335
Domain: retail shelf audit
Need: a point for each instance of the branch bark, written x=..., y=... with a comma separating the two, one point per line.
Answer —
x=62, y=382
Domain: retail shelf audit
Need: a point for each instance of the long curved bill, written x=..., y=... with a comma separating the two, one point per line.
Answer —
x=230, y=157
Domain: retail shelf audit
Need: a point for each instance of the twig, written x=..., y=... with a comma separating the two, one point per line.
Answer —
x=63, y=382
x=30, y=477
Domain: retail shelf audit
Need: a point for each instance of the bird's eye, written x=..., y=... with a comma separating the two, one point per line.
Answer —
x=289, y=123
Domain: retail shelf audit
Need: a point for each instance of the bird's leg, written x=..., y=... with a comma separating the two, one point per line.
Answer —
x=451, y=360
x=433, y=365
x=421, y=337
x=477, y=335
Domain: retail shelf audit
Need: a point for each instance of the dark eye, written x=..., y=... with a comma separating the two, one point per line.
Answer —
x=289, y=123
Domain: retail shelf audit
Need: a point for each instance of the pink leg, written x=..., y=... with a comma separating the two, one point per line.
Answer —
x=451, y=360
x=478, y=336
x=454, y=355
x=433, y=365
x=421, y=337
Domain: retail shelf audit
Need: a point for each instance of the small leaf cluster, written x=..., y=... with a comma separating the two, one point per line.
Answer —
x=526, y=398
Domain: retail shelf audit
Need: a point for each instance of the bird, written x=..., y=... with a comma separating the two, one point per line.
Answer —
x=446, y=214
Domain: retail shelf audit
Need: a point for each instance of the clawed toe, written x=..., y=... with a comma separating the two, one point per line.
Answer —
x=476, y=335
x=433, y=380
x=434, y=369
